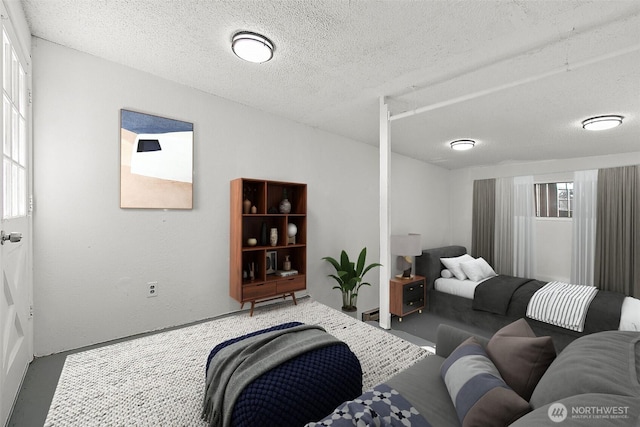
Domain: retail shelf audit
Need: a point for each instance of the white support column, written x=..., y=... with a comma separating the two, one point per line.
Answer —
x=385, y=250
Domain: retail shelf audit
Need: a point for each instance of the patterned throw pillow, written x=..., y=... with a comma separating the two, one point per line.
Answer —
x=479, y=394
x=380, y=406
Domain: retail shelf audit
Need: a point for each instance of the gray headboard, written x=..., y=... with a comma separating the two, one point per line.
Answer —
x=428, y=264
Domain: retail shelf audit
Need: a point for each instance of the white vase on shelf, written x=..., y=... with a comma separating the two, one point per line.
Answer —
x=273, y=237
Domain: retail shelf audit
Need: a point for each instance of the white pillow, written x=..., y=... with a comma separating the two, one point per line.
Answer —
x=477, y=269
x=630, y=314
x=453, y=265
x=446, y=274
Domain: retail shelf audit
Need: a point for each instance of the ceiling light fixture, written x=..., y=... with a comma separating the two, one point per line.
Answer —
x=602, y=122
x=252, y=47
x=463, y=144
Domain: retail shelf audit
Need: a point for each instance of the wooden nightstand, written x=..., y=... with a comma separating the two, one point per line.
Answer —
x=407, y=295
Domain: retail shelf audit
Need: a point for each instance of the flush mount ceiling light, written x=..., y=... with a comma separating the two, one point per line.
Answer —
x=602, y=122
x=463, y=144
x=252, y=47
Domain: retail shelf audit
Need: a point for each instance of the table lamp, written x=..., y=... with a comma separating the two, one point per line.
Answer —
x=406, y=247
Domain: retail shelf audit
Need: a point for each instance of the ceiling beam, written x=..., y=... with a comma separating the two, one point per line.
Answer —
x=499, y=88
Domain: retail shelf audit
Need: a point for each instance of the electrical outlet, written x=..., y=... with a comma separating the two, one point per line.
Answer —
x=152, y=289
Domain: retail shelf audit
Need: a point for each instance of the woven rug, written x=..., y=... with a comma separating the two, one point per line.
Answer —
x=158, y=380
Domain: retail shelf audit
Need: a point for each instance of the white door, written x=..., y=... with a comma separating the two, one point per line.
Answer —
x=16, y=330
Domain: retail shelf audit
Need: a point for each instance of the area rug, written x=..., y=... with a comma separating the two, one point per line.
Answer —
x=158, y=380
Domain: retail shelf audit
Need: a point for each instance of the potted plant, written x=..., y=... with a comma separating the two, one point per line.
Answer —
x=349, y=276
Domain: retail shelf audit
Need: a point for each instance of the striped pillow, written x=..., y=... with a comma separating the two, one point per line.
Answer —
x=477, y=390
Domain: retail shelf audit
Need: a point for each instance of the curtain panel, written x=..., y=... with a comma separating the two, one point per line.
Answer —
x=483, y=226
x=524, y=236
x=503, y=246
x=617, y=251
x=585, y=192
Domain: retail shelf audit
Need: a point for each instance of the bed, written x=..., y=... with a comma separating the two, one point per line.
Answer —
x=463, y=300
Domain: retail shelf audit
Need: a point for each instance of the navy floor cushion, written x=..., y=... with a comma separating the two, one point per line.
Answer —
x=301, y=390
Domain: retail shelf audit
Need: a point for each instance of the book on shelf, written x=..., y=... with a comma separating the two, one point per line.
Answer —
x=286, y=273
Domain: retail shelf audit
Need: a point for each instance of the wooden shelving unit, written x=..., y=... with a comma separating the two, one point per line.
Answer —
x=266, y=197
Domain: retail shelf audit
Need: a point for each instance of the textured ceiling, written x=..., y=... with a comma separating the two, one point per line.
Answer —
x=335, y=58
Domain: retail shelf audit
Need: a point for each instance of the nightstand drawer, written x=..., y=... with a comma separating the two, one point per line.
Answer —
x=413, y=304
x=413, y=291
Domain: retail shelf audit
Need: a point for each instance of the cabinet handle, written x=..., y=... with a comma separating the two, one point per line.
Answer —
x=410, y=289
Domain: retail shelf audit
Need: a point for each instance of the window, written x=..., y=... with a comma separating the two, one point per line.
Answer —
x=554, y=200
x=14, y=135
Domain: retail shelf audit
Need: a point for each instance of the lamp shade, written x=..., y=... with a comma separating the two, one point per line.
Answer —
x=408, y=244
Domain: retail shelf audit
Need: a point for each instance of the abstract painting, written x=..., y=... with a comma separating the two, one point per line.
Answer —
x=156, y=162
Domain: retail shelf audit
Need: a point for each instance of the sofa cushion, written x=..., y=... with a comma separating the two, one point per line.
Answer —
x=477, y=391
x=449, y=338
x=422, y=385
x=520, y=356
x=593, y=409
x=604, y=362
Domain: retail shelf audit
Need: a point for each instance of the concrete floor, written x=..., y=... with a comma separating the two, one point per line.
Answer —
x=39, y=386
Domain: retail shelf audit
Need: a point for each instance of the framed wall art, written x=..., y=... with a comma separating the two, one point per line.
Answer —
x=156, y=162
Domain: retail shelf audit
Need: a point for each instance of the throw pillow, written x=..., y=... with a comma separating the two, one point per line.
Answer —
x=453, y=265
x=477, y=391
x=446, y=274
x=520, y=356
x=477, y=269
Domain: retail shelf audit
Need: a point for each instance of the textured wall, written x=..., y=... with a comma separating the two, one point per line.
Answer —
x=92, y=260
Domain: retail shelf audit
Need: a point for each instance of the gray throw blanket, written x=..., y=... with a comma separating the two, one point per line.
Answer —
x=239, y=364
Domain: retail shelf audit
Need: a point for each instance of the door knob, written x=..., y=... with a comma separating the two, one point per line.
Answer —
x=12, y=237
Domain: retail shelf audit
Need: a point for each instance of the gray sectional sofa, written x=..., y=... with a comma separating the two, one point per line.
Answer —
x=593, y=382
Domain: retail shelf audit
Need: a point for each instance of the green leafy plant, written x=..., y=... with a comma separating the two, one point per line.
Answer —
x=349, y=276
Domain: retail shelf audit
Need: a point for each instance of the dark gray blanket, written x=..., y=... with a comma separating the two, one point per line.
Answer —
x=239, y=364
x=494, y=294
x=509, y=296
x=604, y=312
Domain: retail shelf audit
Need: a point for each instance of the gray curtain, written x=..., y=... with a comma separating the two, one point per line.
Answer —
x=484, y=214
x=617, y=254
